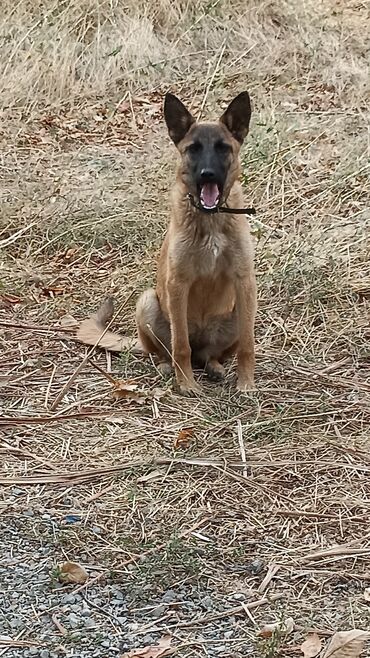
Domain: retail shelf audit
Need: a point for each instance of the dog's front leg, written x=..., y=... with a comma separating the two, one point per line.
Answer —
x=178, y=292
x=246, y=306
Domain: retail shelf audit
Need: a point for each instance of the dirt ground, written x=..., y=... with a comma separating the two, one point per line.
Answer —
x=201, y=519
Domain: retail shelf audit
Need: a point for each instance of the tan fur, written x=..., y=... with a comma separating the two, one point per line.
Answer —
x=204, y=305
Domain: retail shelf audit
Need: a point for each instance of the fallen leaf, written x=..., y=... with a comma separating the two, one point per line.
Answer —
x=151, y=651
x=72, y=572
x=158, y=393
x=286, y=626
x=347, y=644
x=184, y=438
x=311, y=646
x=10, y=299
x=68, y=321
x=128, y=391
x=367, y=594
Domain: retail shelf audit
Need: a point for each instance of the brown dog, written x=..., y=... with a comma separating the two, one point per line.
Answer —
x=203, y=308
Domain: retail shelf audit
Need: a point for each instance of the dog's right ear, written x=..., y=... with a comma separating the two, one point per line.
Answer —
x=177, y=117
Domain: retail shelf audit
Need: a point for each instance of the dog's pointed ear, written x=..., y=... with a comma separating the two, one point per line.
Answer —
x=177, y=117
x=237, y=116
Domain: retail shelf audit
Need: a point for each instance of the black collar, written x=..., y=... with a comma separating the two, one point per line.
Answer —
x=221, y=209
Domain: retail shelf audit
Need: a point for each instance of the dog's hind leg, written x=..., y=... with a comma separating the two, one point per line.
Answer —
x=154, y=330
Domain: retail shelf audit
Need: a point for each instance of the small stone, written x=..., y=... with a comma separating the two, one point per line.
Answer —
x=255, y=567
x=106, y=644
x=117, y=602
x=33, y=651
x=96, y=530
x=169, y=596
x=44, y=653
x=68, y=599
x=89, y=623
x=239, y=596
x=148, y=639
x=28, y=512
x=15, y=623
x=17, y=492
x=207, y=603
x=73, y=620
x=158, y=611
x=228, y=634
x=122, y=620
x=119, y=595
x=220, y=649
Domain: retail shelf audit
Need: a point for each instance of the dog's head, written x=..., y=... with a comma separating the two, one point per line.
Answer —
x=209, y=151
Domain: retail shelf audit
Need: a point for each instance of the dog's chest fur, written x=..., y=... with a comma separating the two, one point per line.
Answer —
x=211, y=251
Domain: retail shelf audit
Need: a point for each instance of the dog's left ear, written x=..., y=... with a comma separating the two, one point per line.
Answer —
x=177, y=117
x=237, y=116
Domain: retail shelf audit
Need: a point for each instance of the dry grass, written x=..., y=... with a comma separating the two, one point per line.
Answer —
x=86, y=168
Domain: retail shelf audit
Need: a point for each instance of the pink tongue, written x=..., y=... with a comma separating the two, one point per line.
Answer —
x=209, y=194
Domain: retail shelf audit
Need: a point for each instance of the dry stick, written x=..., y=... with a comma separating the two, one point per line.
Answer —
x=72, y=378
x=103, y=372
x=223, y=46
x=228, y=613
x=345, y=549
x=38, y=420
x=36, y=327
x=242, y=447
x=272, y=570
x=60, y=627
x=76, y=477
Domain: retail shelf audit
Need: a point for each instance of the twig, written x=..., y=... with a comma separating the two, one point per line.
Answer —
x=62, y=630
x=223, y=46
x=240, y=609
x=102, y=371
x=39, y=420
x=272, y=570
x=37, y=327
x=345, y=549
x=242, y=447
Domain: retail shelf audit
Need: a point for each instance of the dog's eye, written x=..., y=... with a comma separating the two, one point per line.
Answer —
x=195, y=147
x=222, y=147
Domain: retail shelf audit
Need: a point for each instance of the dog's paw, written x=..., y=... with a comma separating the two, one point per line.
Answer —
x=215, y=372
x=189, y=388
x=165, y=368
x=246, y=386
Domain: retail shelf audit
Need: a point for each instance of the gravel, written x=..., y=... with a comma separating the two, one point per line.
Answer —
x=104, y=620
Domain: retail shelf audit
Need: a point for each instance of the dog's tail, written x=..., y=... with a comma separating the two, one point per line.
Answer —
x=91, y=332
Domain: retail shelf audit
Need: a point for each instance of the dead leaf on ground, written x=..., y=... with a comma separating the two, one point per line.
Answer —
x=69, y=254
x=285, y=626
x=184, y=438
x=152, y=651
x=68, y=320
x=347, y=644
x=367, y=594
x=10, y=299
x=311, y=646
x=128, y=391
x=72, y=572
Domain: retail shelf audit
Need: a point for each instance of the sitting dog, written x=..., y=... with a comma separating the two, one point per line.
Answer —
x=203, y=308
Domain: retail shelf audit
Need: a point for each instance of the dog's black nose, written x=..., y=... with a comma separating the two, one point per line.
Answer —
x=207, y=176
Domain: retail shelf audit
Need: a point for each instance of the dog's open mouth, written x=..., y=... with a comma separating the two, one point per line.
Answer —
x=209, y=196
